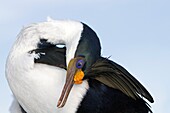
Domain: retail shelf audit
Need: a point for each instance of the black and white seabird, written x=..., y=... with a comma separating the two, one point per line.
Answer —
x=46, y=77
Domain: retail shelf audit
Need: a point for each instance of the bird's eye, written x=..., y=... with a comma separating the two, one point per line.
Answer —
x=80, y=64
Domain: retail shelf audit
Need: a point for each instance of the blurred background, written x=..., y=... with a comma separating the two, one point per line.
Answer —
x=135, y=33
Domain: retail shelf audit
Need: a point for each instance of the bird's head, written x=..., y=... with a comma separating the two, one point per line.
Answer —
x=87, y=52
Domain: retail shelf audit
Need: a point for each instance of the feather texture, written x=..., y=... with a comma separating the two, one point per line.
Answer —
x=115, y=76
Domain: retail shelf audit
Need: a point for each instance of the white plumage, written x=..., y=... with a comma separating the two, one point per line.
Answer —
x=37, y=87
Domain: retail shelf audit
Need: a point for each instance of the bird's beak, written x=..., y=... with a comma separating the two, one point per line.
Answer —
x=74, y=76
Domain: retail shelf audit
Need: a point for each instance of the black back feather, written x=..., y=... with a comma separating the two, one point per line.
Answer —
x=101, y=98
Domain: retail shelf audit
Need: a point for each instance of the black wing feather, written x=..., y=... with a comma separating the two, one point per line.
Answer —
x=52, y=56
x=115, y=76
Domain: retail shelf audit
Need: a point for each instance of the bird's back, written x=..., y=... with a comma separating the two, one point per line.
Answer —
x=103, y=99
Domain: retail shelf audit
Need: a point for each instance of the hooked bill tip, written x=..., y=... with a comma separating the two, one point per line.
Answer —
x=59, y=103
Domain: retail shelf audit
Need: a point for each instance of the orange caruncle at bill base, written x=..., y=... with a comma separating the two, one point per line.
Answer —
x=78, y=76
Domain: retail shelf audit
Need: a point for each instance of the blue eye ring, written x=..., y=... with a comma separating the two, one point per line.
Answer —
x=80, y=64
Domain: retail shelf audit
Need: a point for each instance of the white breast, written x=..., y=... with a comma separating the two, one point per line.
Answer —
x=39, y=88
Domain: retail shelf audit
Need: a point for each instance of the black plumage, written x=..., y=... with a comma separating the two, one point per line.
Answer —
x=50, y=54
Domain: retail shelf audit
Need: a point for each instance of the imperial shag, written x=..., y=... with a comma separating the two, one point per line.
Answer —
x=57, y=67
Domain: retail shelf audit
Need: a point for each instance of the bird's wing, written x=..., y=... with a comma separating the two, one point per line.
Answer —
x=115, y=76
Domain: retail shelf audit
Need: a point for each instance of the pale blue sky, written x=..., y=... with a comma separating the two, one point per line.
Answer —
x=135, y=33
